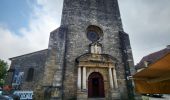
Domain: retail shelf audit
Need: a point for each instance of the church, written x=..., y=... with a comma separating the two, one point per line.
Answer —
x=88, y=56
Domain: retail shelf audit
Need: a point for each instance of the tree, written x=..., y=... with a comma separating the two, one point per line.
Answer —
x=3, y=71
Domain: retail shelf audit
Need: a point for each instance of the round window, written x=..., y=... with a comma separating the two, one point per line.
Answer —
x=93, y=36
x=94, y=33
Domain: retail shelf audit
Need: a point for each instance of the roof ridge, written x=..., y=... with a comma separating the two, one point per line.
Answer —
x=152, y=57
x=28, y=54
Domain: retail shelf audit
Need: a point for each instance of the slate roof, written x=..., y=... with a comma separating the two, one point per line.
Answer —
x=28, y=54
x=151, y=58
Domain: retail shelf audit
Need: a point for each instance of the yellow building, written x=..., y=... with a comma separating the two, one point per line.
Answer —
x=153, y=76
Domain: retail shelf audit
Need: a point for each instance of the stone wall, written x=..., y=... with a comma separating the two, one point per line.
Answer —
x=58, y=79
x=77, y=16
x=22, y=63
x=54, y=66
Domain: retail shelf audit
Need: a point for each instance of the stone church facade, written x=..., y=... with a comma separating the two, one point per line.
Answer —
x=89, y=55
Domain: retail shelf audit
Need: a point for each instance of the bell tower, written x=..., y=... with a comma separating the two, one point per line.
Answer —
x=89, y=55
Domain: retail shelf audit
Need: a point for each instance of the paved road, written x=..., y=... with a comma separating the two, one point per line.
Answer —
x=165, y=97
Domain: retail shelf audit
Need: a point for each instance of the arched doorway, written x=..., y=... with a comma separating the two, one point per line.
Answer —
x=95, y=85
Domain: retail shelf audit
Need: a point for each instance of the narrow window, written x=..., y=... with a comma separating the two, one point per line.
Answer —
x=30, y=74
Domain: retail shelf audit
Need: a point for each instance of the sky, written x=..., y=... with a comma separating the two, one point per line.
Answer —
x=25, y=25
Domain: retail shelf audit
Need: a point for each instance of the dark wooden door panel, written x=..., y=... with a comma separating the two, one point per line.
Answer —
x=95, y=85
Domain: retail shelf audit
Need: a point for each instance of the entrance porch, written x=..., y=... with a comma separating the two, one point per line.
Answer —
x=97, y=78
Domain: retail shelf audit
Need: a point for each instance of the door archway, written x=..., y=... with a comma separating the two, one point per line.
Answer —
x=95, y=85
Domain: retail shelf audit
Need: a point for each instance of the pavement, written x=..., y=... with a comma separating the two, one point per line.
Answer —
x=165, y=97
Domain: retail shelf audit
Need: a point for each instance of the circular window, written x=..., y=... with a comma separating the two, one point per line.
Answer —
x=93, y=36
x=94, y=33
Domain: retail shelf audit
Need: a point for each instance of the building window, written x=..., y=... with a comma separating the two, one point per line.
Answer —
x=93, y=36
x=30, y=74
x=94, y=33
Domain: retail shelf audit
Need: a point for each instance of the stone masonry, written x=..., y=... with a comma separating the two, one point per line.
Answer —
x=70, y=41
x=23, y=63
x=89, y=45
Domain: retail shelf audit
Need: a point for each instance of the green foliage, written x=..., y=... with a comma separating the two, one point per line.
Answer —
x=2, y=82
x=3, y=71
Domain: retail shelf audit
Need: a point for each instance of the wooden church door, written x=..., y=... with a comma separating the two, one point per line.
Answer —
x=95, y=85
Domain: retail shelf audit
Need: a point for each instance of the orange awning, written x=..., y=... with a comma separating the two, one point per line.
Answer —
x=155, y=78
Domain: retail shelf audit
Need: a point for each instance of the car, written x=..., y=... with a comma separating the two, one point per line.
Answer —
x=0, y=92
x=5, y=97
x=8, y=96
x=154, y=95
x=15, y=97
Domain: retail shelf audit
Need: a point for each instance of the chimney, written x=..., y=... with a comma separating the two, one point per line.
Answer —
x=146, y=63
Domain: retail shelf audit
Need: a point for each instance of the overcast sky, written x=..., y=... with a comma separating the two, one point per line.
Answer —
x=25, y=25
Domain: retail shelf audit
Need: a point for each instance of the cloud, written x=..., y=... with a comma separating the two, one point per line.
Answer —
x=44, y=18
x=147, y=23
x=11, y=44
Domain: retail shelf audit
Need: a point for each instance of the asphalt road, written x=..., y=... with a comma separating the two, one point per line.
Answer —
x=165, y=97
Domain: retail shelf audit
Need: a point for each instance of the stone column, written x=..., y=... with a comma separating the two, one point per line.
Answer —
x=115, y=78
x=111, y=78
x=84, y=78
x=79, y=78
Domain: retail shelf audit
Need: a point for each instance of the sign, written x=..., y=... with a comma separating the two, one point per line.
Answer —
x=24, y=95
x=18, y=77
